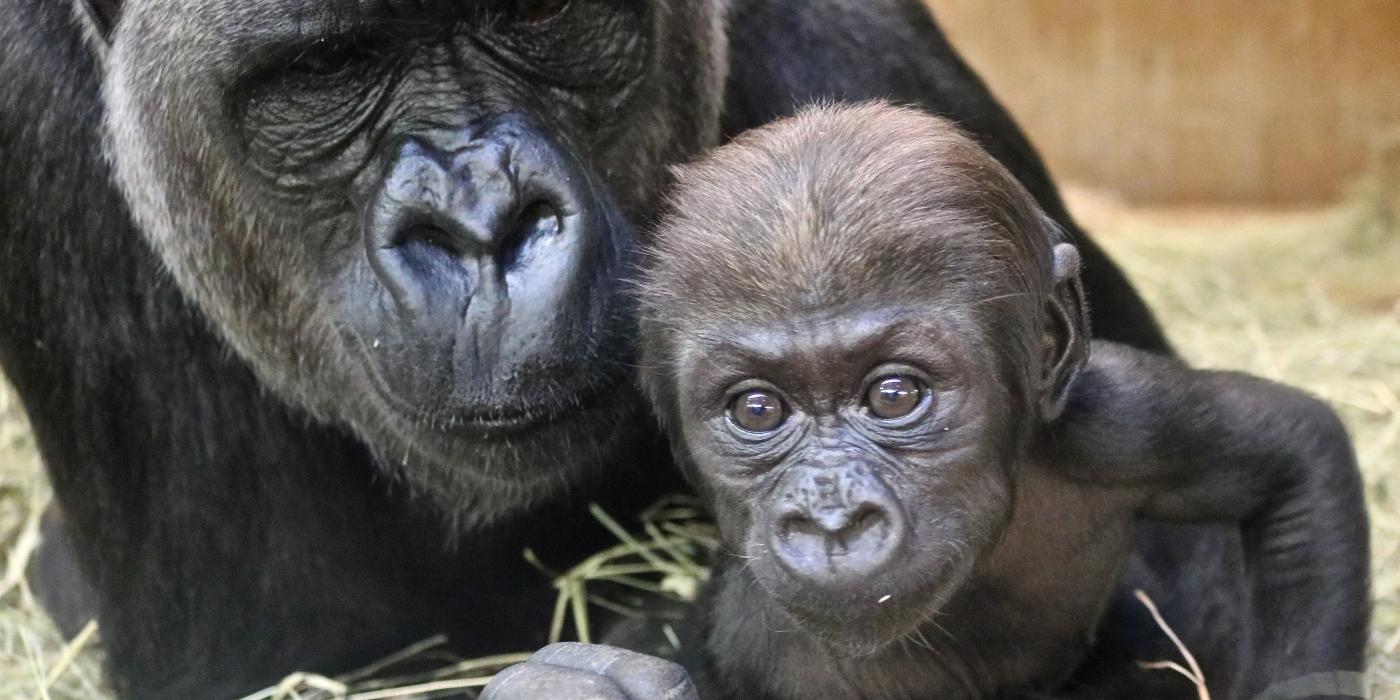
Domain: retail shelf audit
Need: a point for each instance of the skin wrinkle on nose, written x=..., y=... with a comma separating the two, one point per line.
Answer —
x=469, y=194
x=431, y=181
x=486, y=314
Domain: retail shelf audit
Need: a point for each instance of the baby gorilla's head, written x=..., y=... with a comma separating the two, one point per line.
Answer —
x=853, y=322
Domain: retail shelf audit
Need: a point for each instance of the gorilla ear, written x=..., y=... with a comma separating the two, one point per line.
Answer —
x=99, y=18
x=1066, y=346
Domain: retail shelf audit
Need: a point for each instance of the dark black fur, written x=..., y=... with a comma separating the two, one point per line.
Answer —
x=228, y=535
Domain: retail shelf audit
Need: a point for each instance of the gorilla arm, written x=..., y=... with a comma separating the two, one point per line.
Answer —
x=1224, y=446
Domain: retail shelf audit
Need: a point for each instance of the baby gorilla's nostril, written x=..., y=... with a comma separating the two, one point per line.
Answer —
x=540, y=219
x=867, y=520
x=798, y=524
x=856, y=532
x=824, y=541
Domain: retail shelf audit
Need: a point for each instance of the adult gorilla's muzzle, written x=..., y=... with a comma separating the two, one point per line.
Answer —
x=496, y=252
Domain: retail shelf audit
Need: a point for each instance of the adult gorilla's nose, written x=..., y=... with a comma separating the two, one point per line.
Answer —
x=493, y=254
x=456, y=215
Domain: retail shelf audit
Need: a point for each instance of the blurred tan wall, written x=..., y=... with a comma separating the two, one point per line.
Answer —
x=1265, y=101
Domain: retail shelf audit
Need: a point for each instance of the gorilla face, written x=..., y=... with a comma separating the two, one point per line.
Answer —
x=411, y=217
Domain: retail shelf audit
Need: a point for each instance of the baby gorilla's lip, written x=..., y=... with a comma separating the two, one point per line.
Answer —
x=860, y=617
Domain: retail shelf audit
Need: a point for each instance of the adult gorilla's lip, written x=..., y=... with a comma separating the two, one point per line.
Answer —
x=492, y=421
x=484, y=421
x=502, y=420
x=480, y=421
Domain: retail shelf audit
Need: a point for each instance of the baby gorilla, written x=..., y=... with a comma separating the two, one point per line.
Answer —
x=871, y=350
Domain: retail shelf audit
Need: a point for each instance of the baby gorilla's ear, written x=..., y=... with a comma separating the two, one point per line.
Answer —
x=1066, y=333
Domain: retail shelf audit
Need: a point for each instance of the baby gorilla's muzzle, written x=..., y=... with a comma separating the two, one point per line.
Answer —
x=835, y=526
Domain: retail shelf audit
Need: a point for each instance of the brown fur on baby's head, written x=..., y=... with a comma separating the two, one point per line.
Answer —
x=841, y=206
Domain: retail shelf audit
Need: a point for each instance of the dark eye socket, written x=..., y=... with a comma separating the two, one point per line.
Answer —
x=333, y=56
x=894, y=396
x=757, y=411
x=536, y=10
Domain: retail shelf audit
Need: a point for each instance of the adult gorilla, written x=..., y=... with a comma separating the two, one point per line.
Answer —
x=336, y=327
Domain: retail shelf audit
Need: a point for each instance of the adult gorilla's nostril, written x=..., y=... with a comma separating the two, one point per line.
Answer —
x=430, y=239
x=451, y=217
x=540, y=219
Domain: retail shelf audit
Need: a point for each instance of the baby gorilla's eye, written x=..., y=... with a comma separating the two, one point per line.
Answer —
x=757, y=411
x=894, y=396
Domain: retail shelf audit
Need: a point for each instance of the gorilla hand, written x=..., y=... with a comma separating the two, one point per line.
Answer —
x=591, y=671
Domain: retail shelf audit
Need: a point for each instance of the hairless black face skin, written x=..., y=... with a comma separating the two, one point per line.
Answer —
x=870, y=348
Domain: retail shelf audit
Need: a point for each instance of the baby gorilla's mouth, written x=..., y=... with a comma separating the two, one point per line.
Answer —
x=859, y=618
x=871, y=622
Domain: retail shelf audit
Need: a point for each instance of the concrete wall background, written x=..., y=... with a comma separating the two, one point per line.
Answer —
x=1193, y=101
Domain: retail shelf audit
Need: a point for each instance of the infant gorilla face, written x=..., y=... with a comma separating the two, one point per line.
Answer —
x=852, y=459
x=851, y=325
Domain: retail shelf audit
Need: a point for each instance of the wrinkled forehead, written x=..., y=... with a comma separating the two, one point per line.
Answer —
x=252, y=22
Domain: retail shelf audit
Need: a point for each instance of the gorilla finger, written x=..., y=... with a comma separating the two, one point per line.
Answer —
x=640, y=675
x=538, y=681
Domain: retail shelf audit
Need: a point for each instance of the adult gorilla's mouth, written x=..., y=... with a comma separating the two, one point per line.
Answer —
x=498, y=418
x=505, y=419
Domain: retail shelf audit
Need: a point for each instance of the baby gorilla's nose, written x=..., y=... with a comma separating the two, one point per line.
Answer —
x=835, y=532
x=833, y=526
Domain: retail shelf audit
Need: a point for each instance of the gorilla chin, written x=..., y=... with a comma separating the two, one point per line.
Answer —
x=861, y=620
x=479, y=471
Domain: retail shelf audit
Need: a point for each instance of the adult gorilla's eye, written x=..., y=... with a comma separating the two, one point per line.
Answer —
x=536, y=10
x=332, y=56
x=894, y=396
x=757, y=411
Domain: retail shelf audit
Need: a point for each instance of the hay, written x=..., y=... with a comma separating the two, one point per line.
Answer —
x=649, y=575
x=35, y=660
x=1312, y=299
